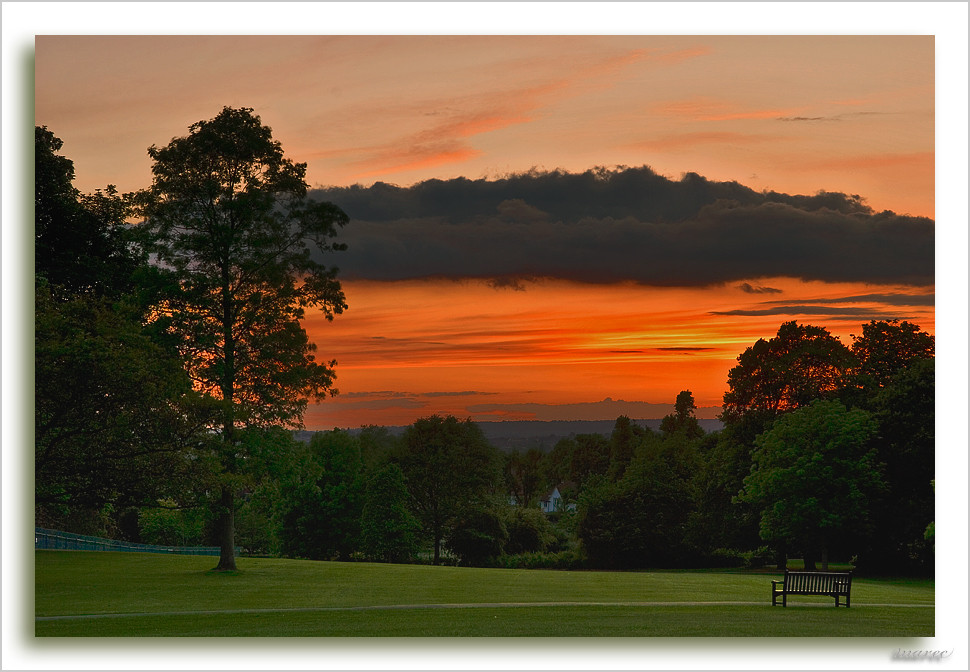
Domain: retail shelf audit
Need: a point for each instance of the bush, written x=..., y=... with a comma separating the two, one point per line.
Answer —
x=528, y=531
x=171, y=526
x=570, y=559
x=478, y=536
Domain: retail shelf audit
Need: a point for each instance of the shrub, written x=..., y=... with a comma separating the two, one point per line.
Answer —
x=478, y=536
x=528, y=531
x=570, y=559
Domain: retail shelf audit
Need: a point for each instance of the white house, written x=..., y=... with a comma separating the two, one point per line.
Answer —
x=553, y=502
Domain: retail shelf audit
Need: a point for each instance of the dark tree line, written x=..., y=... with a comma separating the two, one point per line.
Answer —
x=171, y=365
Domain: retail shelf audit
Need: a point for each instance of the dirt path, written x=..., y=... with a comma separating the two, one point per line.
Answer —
x=470, y=605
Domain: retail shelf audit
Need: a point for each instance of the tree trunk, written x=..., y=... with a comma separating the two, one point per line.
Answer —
x=226, y=530
x=809, y=558
x=781, y=556
x=825, y=558
x=226, y=523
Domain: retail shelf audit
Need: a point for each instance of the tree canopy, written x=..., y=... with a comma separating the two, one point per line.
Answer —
x=448, y=466
x=815, y=477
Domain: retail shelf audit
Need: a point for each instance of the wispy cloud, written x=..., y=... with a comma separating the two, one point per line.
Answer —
x=829, y=312
x=748, y=288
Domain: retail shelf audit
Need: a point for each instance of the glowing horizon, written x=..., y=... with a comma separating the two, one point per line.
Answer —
x=410, y=349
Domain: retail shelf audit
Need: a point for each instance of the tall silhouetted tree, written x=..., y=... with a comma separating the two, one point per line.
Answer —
x=229, y=217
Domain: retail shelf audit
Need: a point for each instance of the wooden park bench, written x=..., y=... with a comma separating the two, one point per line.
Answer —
x=836, y=584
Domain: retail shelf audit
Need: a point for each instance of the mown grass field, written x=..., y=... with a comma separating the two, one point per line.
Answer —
x=97, y=594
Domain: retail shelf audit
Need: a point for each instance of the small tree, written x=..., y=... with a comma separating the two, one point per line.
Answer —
x=230, y=219
x=815, y=477
x=683, y=419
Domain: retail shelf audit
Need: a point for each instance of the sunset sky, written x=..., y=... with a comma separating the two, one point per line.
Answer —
x=793, y=114
x=854, y=110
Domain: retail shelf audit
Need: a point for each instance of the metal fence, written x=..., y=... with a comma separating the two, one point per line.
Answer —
x=57, y=540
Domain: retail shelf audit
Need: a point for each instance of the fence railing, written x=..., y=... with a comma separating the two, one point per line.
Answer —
x=57, y=540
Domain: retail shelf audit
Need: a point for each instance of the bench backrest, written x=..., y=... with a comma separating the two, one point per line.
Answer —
x=818, y=582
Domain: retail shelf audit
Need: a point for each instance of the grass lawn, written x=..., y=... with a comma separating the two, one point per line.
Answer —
x=102, y=594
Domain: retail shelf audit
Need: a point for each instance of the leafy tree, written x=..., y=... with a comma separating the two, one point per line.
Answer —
x=683, y=419
x=322, y=517
x=449, y=466
x=815, y=478
x=169, y=524
x=905, y=410
x=116, y=421
x=388, y=530
x=377, y=445
x=82, y=243
x=885, y=349
x=276, y=465
x=640, y=520
x=590, y=455
x=555, y=466
x=523, y=476
x=799, y=365
x=228, y=215
x=623, y=440
x=716, y=521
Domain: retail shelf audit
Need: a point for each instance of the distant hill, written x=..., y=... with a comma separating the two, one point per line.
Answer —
x=514, y=435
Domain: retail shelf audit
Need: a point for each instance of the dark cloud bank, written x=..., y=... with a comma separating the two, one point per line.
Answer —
x=628, y=224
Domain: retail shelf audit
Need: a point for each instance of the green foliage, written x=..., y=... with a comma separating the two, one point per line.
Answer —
x=570, y=559
x=715, y=520
x=590, y=456
x=115, y=418
x=448, y=466
x=623, y=441
x=322, y=517
x=640, y=520
x=905, y=410
x=815, y=476
x=388, y=530
x=523, y=476
x=477, y=535
x=167, y=524
x=529, y=531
